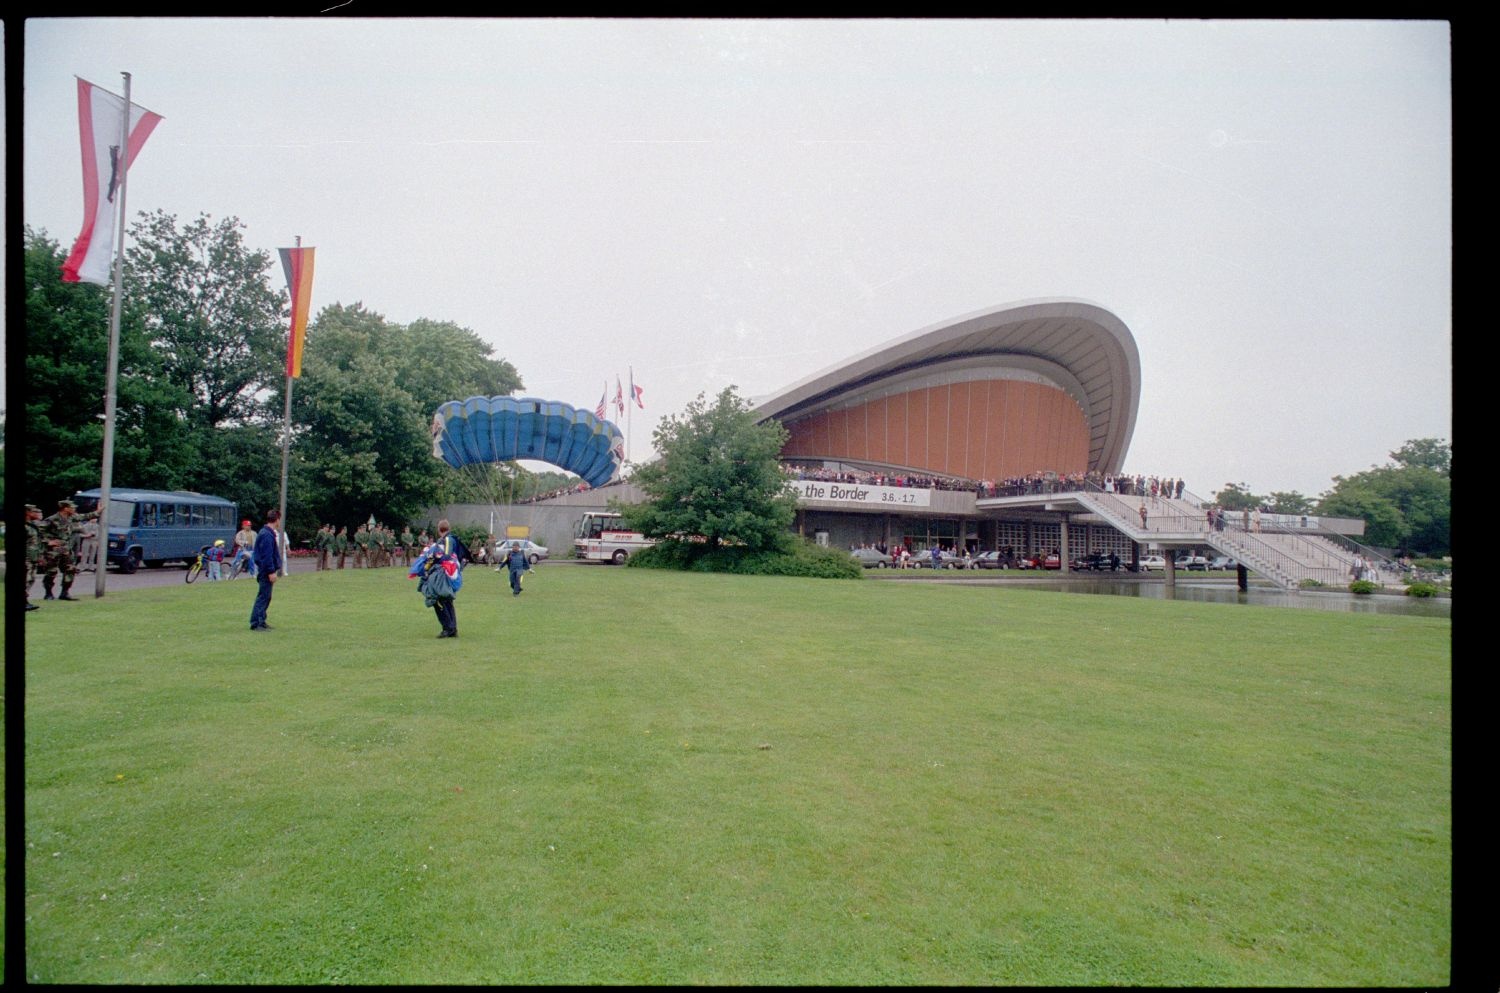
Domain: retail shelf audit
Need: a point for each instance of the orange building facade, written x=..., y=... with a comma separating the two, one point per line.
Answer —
x=980, y=429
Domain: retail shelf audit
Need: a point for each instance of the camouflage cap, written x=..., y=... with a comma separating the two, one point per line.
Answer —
x=32, y=508
x=69, y=504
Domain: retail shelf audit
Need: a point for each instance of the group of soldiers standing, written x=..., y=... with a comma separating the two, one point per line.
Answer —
x=52, y=548
x=368, y=547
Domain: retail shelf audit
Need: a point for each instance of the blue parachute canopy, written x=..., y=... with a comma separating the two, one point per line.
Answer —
x=499, y=429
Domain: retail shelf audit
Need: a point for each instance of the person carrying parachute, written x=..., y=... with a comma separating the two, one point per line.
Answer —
x=439, y=571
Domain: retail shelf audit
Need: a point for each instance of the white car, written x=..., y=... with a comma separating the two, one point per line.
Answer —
x=534, y=552
x=1153, y=563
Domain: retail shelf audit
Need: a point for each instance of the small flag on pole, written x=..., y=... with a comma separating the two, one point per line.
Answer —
x=636, y=391
x=603, y=400
x=298, y=264
x=619, y=395
x=99, y=114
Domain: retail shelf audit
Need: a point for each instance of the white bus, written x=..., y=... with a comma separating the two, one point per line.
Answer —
x=602, y=537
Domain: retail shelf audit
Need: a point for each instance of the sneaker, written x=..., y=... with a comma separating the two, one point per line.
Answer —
x=32, y=606
x=49, y=596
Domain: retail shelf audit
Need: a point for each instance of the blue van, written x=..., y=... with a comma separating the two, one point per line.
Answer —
x=153, y=527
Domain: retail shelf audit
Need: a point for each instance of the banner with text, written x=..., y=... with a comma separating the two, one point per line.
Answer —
x=894, y=497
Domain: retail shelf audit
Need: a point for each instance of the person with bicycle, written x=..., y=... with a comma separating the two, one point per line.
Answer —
x=244, y=541
x=214, y=556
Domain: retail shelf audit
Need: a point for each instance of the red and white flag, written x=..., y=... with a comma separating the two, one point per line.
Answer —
x=99, y=119
x=619, y=395
x=603, y=400
x=636, y=391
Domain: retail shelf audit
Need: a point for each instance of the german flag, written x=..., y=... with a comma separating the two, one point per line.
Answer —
x=298, y=263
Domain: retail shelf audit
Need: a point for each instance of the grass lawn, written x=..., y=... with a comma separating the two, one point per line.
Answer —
x=630, y=776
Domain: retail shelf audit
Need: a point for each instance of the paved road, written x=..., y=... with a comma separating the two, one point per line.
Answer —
x=167, y=575
x=174, y=575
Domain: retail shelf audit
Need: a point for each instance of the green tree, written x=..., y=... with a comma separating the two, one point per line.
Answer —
x=1406, y=505
x=362, y=408
x=1289, y=502
x=717, y=477
x=1426, y=453
x=218, y=325
x=1237, y=496
x=67, y=351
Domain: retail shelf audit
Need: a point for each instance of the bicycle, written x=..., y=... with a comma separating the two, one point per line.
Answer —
x=240, y=564
x=199, y=564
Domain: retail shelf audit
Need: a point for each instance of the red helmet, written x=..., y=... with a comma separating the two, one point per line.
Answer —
x=244, y=524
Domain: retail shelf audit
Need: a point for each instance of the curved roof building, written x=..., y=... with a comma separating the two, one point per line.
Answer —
x=1034, y=386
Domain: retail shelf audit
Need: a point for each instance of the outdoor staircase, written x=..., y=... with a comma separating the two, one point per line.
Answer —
x=1286, y=558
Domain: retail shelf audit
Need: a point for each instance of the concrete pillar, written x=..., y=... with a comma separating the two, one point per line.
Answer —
x=1171, y=572
x=1062, y=551
x=1243, y=576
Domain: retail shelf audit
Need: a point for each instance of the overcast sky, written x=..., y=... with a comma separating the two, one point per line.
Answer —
x=1266, y=205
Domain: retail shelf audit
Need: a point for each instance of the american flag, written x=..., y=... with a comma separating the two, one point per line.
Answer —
x=603, y=397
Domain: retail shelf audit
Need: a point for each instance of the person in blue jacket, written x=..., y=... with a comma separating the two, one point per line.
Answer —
x=267, y=559
x=449, y=554
x=516, y=562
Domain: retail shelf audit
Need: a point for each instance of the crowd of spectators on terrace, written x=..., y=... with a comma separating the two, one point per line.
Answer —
x=1154, y=487
x=862, y=478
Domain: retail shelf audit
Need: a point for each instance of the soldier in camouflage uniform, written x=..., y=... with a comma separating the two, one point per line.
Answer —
x=362, y=547
x=406, y=540
x=33, y=549
x=341, y=545
x=323, y=543
x=58, y=533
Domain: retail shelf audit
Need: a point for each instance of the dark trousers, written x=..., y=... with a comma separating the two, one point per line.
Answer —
x=262, y=601
x=446, y=615
x=515, y=580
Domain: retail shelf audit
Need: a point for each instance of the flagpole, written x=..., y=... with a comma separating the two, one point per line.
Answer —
x=286, y=437
x=106, y=470
x=629, y=412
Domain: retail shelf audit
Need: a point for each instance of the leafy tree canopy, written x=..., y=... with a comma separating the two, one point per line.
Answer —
x=1237, y=496
x=717, y=477
x=67, y=351
x=208, y=309
x=1406, y=505
x=1426, y=453
x=363, y=406
x=1289, y=502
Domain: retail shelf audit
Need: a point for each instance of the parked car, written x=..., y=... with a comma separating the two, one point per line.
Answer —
x=1097, y=562
x=1153, y=563
x=534, y=552
x=871, y=558
x=1223, y=562
x=989, y=560
x=1053, y=561
x=1192, y=562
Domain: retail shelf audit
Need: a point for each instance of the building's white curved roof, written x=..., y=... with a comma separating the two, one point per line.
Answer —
x=1078, y=346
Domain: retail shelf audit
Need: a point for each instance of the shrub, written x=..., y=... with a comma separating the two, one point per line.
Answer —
x=792, y=556
x=1363, y=586
x=1310, y=584
x=472, y=535
x=1421, y=589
